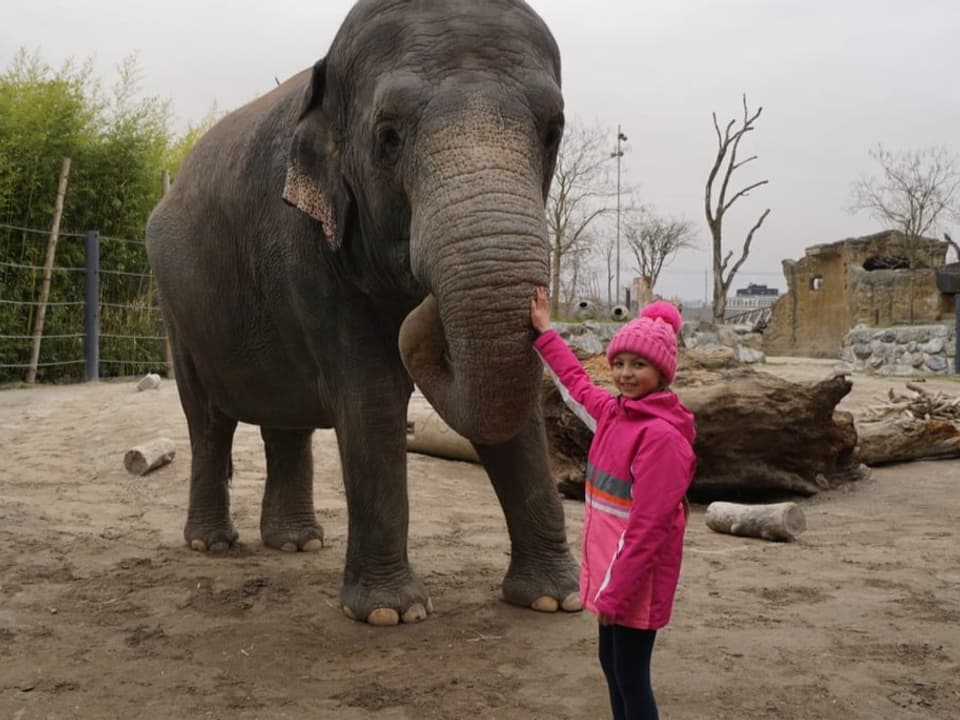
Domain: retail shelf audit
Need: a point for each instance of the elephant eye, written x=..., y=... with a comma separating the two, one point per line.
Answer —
x=389, y=142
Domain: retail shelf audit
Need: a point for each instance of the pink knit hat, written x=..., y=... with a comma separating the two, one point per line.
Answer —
x=652, y=336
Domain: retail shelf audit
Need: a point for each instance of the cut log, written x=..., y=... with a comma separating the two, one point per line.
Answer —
x=149, y=456
x=427, y=433
x=758, y=436
x=150, y=381
x=904, y=438
x=780, y=521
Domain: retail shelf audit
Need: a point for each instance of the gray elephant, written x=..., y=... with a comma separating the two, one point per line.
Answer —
x=374, y=222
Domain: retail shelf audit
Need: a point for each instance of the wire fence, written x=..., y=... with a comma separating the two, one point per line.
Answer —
x=101, y=319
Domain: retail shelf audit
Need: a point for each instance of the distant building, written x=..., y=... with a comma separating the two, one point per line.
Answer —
x=751, y=297
x=754, y=289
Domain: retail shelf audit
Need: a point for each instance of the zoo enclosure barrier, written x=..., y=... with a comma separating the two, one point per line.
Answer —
x=120, y=332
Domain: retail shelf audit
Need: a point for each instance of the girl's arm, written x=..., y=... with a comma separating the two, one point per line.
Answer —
x=563, y=363
x=662, y=473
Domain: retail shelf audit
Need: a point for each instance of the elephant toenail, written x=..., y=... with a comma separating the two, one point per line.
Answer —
x=383, y=616
x=415, y=613
x=572, y=603
x=546, y=604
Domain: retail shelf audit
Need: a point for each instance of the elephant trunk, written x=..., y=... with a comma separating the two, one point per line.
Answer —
x=478, y=240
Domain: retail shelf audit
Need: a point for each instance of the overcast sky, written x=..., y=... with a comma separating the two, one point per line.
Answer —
x=834, y=79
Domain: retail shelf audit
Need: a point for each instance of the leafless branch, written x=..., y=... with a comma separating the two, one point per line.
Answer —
x=728, y=145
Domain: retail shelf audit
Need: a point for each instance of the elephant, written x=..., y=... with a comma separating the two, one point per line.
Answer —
x=373, y=224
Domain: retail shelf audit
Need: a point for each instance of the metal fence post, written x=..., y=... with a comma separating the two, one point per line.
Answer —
x=91, y=343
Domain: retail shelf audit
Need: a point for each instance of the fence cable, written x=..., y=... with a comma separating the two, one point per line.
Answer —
x=112, y=337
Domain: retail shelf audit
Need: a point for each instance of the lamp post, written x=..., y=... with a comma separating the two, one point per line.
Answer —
x=621, y=138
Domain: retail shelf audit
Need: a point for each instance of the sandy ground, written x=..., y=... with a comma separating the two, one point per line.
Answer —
x=104, y=613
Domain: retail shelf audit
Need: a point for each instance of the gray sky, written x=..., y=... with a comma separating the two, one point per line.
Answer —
x=834, y=79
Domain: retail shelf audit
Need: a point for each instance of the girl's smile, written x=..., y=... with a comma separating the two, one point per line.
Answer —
x=634, y=377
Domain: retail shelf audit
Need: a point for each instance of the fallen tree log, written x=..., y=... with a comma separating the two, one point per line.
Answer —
x=758, y=436
x=780, y=521
x=149, y=456
x=917, y=426
x=427, y=433
x=903, y=438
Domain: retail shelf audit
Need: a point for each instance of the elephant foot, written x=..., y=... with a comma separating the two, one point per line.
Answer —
x=291, y=537
x=212, y=538
x=388, y=603
x=544, y=587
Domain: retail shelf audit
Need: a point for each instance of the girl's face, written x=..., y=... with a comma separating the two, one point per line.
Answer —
x=634, y=377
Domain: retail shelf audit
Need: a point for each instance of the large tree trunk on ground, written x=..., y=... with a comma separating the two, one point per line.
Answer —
x=757, y=435
x=904, y=438
x=920, y=425
x=781, y=521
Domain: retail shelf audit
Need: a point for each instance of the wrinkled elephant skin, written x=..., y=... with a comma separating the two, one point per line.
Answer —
x=374, y=222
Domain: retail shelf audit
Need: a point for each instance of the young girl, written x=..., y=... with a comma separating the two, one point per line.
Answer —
x=640, y=465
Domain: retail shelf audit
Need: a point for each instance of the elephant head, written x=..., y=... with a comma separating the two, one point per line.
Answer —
x=428, y=136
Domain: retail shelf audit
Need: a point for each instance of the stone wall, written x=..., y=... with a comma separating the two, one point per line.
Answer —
x=837, y=286
x=913, y=350
x=588, y=339
x=746, y=344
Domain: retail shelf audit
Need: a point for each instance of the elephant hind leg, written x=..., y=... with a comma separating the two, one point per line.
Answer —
x=208, y=527
x=287, y=519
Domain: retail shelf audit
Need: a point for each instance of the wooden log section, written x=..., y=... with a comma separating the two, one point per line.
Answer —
x=427, y=433
x=149, y=456
x=906, y=438
x=779, y=521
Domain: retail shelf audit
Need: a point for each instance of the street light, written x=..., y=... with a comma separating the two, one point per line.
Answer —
x=621, y=138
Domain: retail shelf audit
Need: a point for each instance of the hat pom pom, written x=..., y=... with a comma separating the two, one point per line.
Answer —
x=664, y=311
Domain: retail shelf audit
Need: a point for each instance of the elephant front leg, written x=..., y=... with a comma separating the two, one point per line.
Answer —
x=287, y=519
x=542, y=574
x=379, y=586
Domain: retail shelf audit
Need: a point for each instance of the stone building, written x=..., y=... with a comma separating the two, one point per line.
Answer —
x=860, y=281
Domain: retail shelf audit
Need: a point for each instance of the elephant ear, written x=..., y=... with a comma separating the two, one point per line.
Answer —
x=314, y=183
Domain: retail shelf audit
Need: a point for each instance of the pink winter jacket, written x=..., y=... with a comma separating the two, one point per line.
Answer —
x=640, y=465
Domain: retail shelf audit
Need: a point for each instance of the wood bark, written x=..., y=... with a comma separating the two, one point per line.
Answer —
x=149, y=456
x=904, y=438
x=912, y=426
x=427, y=433
x=779, y=521
x=47, y=273
x=758, y=436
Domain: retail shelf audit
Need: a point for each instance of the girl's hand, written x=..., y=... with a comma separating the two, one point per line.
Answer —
x=605, y=619
x=540, y=310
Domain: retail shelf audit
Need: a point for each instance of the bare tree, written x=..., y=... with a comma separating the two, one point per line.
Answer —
x=580, y=193
x=728, y=144
x=655, y=241
x=915, y=189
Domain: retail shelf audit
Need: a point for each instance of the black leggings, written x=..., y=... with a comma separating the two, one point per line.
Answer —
x=625, y=659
